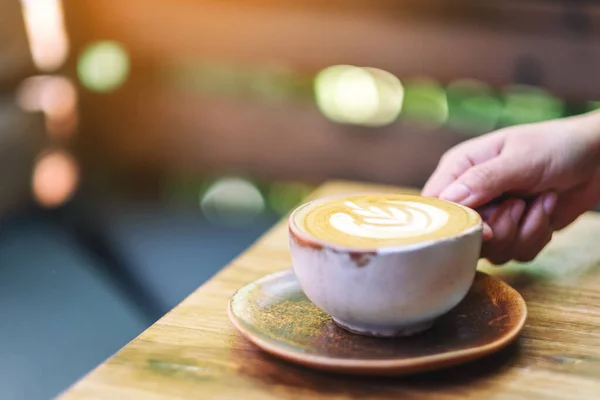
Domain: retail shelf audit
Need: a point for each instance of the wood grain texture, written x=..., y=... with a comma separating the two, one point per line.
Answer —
x=195, y=352
x=274, y=313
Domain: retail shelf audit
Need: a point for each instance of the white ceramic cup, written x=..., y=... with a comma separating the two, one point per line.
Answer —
x=387, y=291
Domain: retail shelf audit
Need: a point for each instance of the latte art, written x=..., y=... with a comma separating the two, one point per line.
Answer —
x=394, y=219
x=377, y=220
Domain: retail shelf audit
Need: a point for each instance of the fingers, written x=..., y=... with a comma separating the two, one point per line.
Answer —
x=486, y=213
x=459, y=159
x=487, y=233
x=536, y=230
x=520, y=231
x=551, y=212
x=450, y=167
x=531, y=252
x=484, y=182
x=504, y=224
x=488, y=169
x=573, y=203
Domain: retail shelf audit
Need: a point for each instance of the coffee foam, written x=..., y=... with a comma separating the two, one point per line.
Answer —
x=379, y=220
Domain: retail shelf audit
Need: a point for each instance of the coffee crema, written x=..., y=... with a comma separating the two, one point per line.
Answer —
x=380, y=220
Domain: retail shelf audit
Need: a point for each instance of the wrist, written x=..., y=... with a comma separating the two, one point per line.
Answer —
x=588, y=126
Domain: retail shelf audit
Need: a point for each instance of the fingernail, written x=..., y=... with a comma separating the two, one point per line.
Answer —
x=487, y=233
x=516, y=211
x=456, y=192
x=549, y=202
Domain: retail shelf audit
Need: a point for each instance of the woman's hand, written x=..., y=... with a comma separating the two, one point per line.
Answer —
x=526, y=181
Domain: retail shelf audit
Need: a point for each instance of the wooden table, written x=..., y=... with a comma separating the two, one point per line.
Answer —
x=194, y=351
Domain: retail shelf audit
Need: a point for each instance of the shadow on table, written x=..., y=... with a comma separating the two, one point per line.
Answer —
x=269, y=371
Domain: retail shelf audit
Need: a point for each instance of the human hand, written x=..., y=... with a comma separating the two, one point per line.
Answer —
x=526, y=181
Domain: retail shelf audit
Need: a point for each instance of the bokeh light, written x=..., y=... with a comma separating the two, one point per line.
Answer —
x=46, y=33
x=473, y=108
x=103, y=66
x=425, y=103
x=360, y=96
x=55, y=178
x=346, y=94
x=593, y=105
x=56, y=97
x=284, y=196
x=528, y=104
x=274, y=83
x=209, y=77
x=232, y=201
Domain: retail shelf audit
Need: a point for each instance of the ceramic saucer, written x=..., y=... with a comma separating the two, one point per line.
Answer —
x=274, y=314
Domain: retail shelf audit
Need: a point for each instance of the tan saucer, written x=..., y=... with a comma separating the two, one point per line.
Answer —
x=274, y=314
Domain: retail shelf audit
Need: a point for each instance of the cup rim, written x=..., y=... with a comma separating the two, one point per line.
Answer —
x=306, y=237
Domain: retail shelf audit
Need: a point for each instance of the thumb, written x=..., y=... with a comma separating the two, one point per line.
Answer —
x=484, y=182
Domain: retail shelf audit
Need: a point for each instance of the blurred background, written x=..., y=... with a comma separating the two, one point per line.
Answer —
x=145, y=143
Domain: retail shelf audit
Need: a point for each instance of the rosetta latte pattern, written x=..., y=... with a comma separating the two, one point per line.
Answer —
x=391, y=219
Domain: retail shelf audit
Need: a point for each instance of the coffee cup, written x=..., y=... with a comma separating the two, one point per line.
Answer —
x=384, y=264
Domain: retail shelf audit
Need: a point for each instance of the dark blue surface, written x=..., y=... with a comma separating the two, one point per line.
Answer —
x=63, y=314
